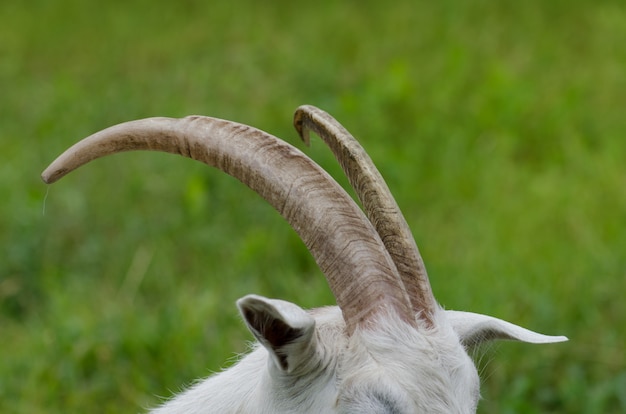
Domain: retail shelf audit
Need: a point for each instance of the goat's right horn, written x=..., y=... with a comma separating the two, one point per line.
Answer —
x=378, y=203
x=360, y=272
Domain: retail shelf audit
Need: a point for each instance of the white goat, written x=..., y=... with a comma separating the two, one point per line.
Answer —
x=388, y=347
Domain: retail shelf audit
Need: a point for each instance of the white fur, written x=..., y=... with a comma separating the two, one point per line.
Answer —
x=393, y=369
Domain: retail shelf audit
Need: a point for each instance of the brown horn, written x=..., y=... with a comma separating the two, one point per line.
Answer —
x=345, y=246
x=378, y=203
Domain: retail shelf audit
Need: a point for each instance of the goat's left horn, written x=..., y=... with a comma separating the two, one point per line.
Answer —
x=378, y=203
x=345, y=245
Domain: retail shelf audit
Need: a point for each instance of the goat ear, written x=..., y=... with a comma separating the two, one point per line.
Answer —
x=283, y=328
x=474, y=329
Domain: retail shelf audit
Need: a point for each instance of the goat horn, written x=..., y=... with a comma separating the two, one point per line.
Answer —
x=378, y=203
x=343, y=242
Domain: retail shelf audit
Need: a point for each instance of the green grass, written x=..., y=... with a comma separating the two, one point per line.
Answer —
x=499, y=126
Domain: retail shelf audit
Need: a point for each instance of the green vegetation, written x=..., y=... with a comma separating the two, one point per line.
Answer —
x=500, y=127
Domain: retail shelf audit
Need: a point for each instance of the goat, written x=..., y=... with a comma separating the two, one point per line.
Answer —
x=388, y=347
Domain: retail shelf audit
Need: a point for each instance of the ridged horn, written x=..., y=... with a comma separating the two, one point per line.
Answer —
x=378, y=203
x=345, y=246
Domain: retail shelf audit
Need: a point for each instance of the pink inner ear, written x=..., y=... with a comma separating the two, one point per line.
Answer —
x=283, y=328
x=273, y=330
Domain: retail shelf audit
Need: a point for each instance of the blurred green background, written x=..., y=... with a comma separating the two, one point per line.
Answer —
x=499, y=126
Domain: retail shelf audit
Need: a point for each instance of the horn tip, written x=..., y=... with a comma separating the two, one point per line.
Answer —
x=50, y=176
x=55, y=171
x=299, y=120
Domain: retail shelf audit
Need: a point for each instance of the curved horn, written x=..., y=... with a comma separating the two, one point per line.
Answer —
x=378, y=203
x=345, y=246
